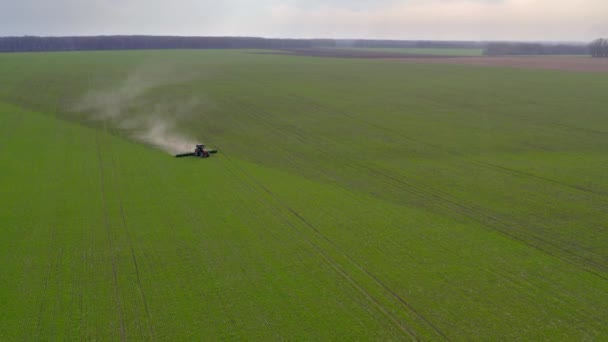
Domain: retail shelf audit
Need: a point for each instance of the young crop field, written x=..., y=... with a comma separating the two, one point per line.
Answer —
x=351, y=199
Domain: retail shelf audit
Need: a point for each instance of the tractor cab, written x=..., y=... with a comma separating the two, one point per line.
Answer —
x=200, y=151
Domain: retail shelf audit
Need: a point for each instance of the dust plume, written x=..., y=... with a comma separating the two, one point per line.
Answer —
x=139, y=107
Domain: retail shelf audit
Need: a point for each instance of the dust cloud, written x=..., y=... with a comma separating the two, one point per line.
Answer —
x=138, y=107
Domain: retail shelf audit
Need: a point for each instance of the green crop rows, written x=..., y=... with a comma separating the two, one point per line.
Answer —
x=351, y=200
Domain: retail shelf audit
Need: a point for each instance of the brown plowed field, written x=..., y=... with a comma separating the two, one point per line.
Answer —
x=346, y=53
x=572, y=63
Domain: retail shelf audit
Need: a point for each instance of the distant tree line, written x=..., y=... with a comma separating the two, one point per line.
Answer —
x=599, y=48
x=31, y=43
x=88, y=43
x=514, y=48
x=80, y=43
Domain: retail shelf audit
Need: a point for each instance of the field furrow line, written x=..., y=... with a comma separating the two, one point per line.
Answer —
x=452, y=153
x=604, y=196
x=440, y=148
x=585, y=130
x=477, y=215
x=441, y=201
x=115, y=165
x=252, y=187
x=335, y=265
x=457, y=208
x=498, y=225
x=519, y=284
x=359, y=266
x=108, y=226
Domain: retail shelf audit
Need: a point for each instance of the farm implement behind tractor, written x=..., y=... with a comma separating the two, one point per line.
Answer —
x=199, y=151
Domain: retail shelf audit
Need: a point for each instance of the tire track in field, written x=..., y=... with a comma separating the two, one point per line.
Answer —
x=512, y=278
x=331, y=262
x=442, y=201
x=108, y=226
x=582, y=129
x=576, y=308
x=496, y=167
x=114, y=166
x=485, y=164
x=481, y=217
x=265, y=234
x=125, y=227
x=408, y=188
x=500, y=168
x=358, y=265
x=486, y=220
x=188, y=256
x=601, y=195
x=484, y=269
x=545, y=179
x=454, y=153
x=498, y=225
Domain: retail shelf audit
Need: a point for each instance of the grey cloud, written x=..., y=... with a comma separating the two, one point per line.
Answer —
x=67, y=17
x=395, y=19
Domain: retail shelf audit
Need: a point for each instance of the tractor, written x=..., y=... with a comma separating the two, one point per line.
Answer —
x=199, y=151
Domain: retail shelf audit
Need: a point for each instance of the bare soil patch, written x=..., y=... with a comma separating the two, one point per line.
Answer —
x=571, y=63
x=346, y=53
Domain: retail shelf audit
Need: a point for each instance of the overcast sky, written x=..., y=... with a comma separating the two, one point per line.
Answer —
x=557, y=20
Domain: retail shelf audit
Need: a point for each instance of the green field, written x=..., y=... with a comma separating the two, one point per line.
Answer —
x=351, y=199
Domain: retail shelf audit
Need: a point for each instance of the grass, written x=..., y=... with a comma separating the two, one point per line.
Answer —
x=351, y=199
